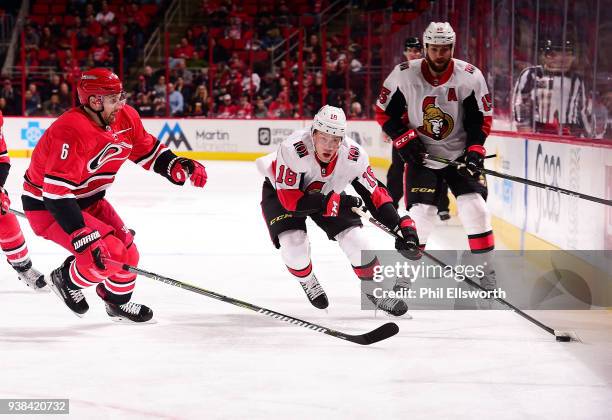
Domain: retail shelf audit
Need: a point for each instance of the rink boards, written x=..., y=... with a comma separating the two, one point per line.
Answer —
x=525, y=217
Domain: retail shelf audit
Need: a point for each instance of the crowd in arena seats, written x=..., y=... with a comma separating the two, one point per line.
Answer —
x=221, y=66
x=62, y=37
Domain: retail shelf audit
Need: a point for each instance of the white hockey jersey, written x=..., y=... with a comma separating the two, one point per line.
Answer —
x=295, y=170
x=450, y=111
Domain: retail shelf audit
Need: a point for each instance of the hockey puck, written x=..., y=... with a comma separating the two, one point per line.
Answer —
x=563, y=338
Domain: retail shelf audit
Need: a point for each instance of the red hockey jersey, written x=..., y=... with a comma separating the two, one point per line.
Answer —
x=77, y=158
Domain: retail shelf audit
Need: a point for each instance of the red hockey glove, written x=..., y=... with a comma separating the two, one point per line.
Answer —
x=409, y=245
x=5, y=203
x=333, y=202
x=182, y=168
x=89, y=249
x=410, y=147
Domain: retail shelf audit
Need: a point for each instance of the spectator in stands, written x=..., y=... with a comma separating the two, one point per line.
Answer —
x=160, y=87
x=32, y=40
x=159, y=106
x=53, y=86
x=52, y=107
x=251, y=84
x=36, y=99
x=182, y=71
x=201, y=37
x=245, y=109
x=105, y=16
x=65, y=98
x=51, y=62
x=281, y=107
x=144, y=105
x=100, y=53
x=175, y=99
x=260, y=111
x=199, y=103
x=183, y=49
x=220, y=54
x=356, y=111
x=227, y=109
x=271, y=39
x=84, y=39
x=184, y=89
x=32, y=107
x=12, y=100
x=47, y=39
x=234, y=29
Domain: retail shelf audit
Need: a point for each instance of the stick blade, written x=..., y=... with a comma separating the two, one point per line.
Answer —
x=381, y=333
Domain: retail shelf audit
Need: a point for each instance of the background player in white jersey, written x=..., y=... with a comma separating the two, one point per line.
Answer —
x=413, y=49
x=449, y=115
x=307, y=177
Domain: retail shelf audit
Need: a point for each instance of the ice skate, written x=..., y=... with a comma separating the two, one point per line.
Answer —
x=315, y=293
x=59, y=282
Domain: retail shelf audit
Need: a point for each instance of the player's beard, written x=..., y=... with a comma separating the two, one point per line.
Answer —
x=438, y=67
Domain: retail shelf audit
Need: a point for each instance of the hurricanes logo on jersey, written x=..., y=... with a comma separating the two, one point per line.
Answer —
x=437, y=124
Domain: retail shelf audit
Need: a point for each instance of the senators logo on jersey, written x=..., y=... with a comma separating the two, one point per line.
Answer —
x=437, y=124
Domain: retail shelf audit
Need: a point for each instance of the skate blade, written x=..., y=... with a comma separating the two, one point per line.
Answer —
x=127, y=321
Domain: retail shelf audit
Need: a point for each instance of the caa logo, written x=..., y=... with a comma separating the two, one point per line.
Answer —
x=174, y=136
x=32, y=133
x=264, y=136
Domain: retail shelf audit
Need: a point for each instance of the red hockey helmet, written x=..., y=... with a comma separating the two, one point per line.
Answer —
x=98, y=81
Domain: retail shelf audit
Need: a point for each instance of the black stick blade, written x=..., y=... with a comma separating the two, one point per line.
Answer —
x=381, y=333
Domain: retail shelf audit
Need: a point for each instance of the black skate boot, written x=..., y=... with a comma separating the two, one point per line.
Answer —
x=127, y=312
x=315, y=293
x=60, y=283
x=392, y=306
x=31, y=276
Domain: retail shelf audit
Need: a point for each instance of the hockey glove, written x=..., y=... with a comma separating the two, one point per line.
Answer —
x=410, y=147
x=89, y=249
x=409, y=245
x=474, y=160
x=182, y=168
x=5, y=203
x=333, y=202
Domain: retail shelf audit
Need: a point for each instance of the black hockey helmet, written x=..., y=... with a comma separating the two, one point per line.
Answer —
x=413, y=42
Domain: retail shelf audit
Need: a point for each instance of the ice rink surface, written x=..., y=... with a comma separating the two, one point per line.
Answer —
x=206, y=359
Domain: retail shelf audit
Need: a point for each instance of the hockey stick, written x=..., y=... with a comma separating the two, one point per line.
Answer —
x=381, y=333
x=522, y=180
x=559, y=335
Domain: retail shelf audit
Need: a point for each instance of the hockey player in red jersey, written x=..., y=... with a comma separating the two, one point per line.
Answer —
x=449, y=115
x=72, y=165
x=12, y=241
x=306, y=177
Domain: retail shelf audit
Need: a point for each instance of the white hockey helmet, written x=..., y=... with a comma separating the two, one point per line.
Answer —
x=330, y=120
x=439, y=33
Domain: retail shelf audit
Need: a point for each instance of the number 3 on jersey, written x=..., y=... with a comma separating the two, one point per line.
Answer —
x=286, y=176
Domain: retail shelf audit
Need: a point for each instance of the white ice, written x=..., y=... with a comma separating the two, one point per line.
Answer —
x=206, y=359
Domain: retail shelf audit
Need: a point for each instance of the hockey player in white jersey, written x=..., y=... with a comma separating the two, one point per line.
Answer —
x=306, y=177
x=449, y=114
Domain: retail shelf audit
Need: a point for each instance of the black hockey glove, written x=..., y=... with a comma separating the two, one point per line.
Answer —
x=410, y=147
x=333, y=202
x=409, y=245
x=474, y=160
